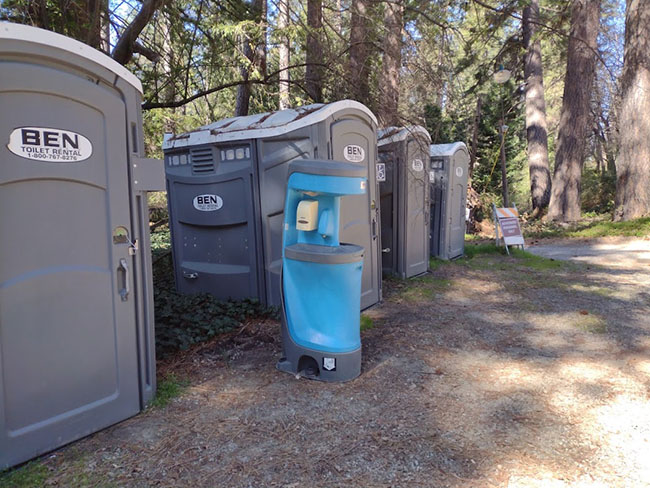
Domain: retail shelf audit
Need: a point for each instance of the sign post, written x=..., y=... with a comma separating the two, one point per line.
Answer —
x=506, y=220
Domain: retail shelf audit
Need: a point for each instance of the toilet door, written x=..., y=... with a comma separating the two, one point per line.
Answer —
x=457, y=203
x=356, y=142
x=416, y=227
x=389, y=225
x=68, y=348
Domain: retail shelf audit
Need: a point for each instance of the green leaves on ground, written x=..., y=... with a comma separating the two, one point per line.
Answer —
x=185, y=320
x=591, y=227
x=167, y=389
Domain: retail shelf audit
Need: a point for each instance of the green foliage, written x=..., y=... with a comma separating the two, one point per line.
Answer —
x=35, y=474
x=424, y=288
x=366, y=322
x=598, y=190
x=520, y=257
x=185, y=320
x=535, y=262
x=631, y=228
x=449, y=54
x=590, y=322
x=473, y=250
x=31, y=475
x=435, y=263
x=167, y=389
x=591, y=227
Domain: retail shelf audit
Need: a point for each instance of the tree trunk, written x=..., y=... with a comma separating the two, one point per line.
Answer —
x=255, y=58
x=391, y=63
x=44, y=16
x=358, y=71
x=283, y=51
x=93, y=24
x=314, y=52
x=538, y=167
x=167, y=64
x=260, y=49
x=574, y=118
x=475, y=129
x=504, y=173
x=633, y=163
x=244, y=90
x=338, y=23
x=105, y=35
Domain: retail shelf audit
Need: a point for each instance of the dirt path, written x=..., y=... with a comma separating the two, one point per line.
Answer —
x=488, y=372
x=611, y=252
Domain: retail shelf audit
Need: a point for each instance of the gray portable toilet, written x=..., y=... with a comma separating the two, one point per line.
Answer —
x=448, y=176
x=226, y=185
x=404, y=197
x=76, y=301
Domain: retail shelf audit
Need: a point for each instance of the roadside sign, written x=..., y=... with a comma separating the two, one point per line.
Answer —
x=506, y=223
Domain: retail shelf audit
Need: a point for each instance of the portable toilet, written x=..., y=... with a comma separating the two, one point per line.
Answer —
x=448, y=173
x=76, y=301
x=226, y=186
x=404, y=197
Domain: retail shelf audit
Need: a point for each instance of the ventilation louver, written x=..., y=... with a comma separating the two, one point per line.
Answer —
x=202, y=160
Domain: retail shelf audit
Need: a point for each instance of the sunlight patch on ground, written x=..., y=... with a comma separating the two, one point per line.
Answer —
x=551, y=482
x=516, y=373
x=586, y=371
x=625, y=427
x=643, y=366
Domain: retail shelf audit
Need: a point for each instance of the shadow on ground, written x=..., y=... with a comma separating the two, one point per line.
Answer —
x=486, y=372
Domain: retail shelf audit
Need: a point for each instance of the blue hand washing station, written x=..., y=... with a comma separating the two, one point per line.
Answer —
x=321, y=278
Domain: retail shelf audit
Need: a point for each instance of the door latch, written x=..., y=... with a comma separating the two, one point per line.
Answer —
x=133, y=248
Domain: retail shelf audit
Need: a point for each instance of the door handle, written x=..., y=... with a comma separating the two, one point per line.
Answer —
x=123, y=270
x=374, y=229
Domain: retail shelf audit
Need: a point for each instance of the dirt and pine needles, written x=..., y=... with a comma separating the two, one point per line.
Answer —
x=491, y=371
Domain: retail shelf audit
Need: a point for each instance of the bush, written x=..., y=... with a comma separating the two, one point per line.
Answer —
x=184, y=320
x=598, y=191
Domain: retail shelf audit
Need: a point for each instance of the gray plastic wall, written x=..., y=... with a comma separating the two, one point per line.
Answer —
x=235, y=250
x=76, y=301
x=448, y=168
x=404, y=197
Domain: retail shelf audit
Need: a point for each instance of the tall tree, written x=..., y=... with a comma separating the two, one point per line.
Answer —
x=254, y=53
x=314, y=51
x=633, y=163
x=391, y=63
x=283, y=52
x=536, y=133
x=358, y=70
x=475, y=129
x=244, y=90
x=575, y=116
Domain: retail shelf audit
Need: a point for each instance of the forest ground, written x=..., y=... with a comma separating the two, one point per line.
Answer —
x=489, y=371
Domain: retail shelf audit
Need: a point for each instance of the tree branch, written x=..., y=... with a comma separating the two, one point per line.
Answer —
x=559, y=32
x=261, y=81
x=125, y=47
x=150, y=54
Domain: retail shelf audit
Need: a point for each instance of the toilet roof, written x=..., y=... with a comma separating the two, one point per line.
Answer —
x=446, y=149
x=394, y=134
x=34, y=35
x=267, y=124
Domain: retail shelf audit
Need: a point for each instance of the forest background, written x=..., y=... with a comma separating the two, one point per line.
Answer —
x=571, y=124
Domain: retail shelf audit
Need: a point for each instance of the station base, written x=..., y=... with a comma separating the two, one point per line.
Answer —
x=319, y=365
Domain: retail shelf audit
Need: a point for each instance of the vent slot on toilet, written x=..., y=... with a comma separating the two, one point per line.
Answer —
x=202, y=160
